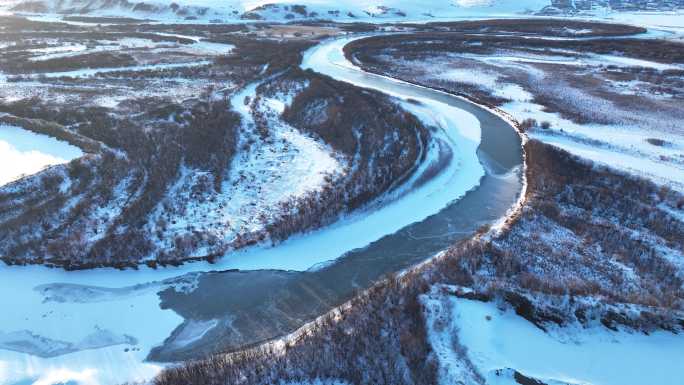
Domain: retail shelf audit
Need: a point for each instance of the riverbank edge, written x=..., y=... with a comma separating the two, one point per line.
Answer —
x=406, y=278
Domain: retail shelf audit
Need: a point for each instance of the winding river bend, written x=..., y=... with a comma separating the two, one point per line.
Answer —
x=113, y=326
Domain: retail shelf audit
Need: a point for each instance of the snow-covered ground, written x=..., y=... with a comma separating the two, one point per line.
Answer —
x=264, y=173
x=86, y=329
x=97, y=71
x=23, y=152
x=58, y=49
x=150, y=56
x=61, y=50
x=625, y=147
x=671, y=22
x=103, y=342
x=475, y=340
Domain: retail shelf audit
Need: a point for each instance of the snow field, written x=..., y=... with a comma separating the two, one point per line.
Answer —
x=23, y=152
x=104, y=360
x=495, y=340
x=150, y=56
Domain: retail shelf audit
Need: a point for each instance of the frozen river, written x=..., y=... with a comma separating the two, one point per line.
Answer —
x=102, y=326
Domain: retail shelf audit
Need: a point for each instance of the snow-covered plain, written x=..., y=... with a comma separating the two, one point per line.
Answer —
x=624, y=147
x=23, y=152
x=671, y=22
x=97, y=71
x=54, y=324
x=497, y=341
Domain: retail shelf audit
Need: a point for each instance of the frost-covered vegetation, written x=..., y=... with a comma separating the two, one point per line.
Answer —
x=180, y=165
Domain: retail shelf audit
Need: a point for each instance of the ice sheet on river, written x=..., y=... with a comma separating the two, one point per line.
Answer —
x=128, y=304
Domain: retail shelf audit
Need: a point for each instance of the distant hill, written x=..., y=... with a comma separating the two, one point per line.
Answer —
x=229, y=10
x=347, y=11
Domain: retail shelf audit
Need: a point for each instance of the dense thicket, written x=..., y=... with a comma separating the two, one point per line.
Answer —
x=203, y=135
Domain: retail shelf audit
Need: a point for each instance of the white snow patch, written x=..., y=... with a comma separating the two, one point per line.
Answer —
x=495, y=340
x=73, y=49
x=287, y=165
x=666, y=173
x=193, y=331
x=23, y=152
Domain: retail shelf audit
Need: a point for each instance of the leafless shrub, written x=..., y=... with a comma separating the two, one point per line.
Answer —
x=527, y=124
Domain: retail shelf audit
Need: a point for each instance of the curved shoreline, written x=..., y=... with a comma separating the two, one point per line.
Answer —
x=492, y=198
x=505, y=116
x=280, y=343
